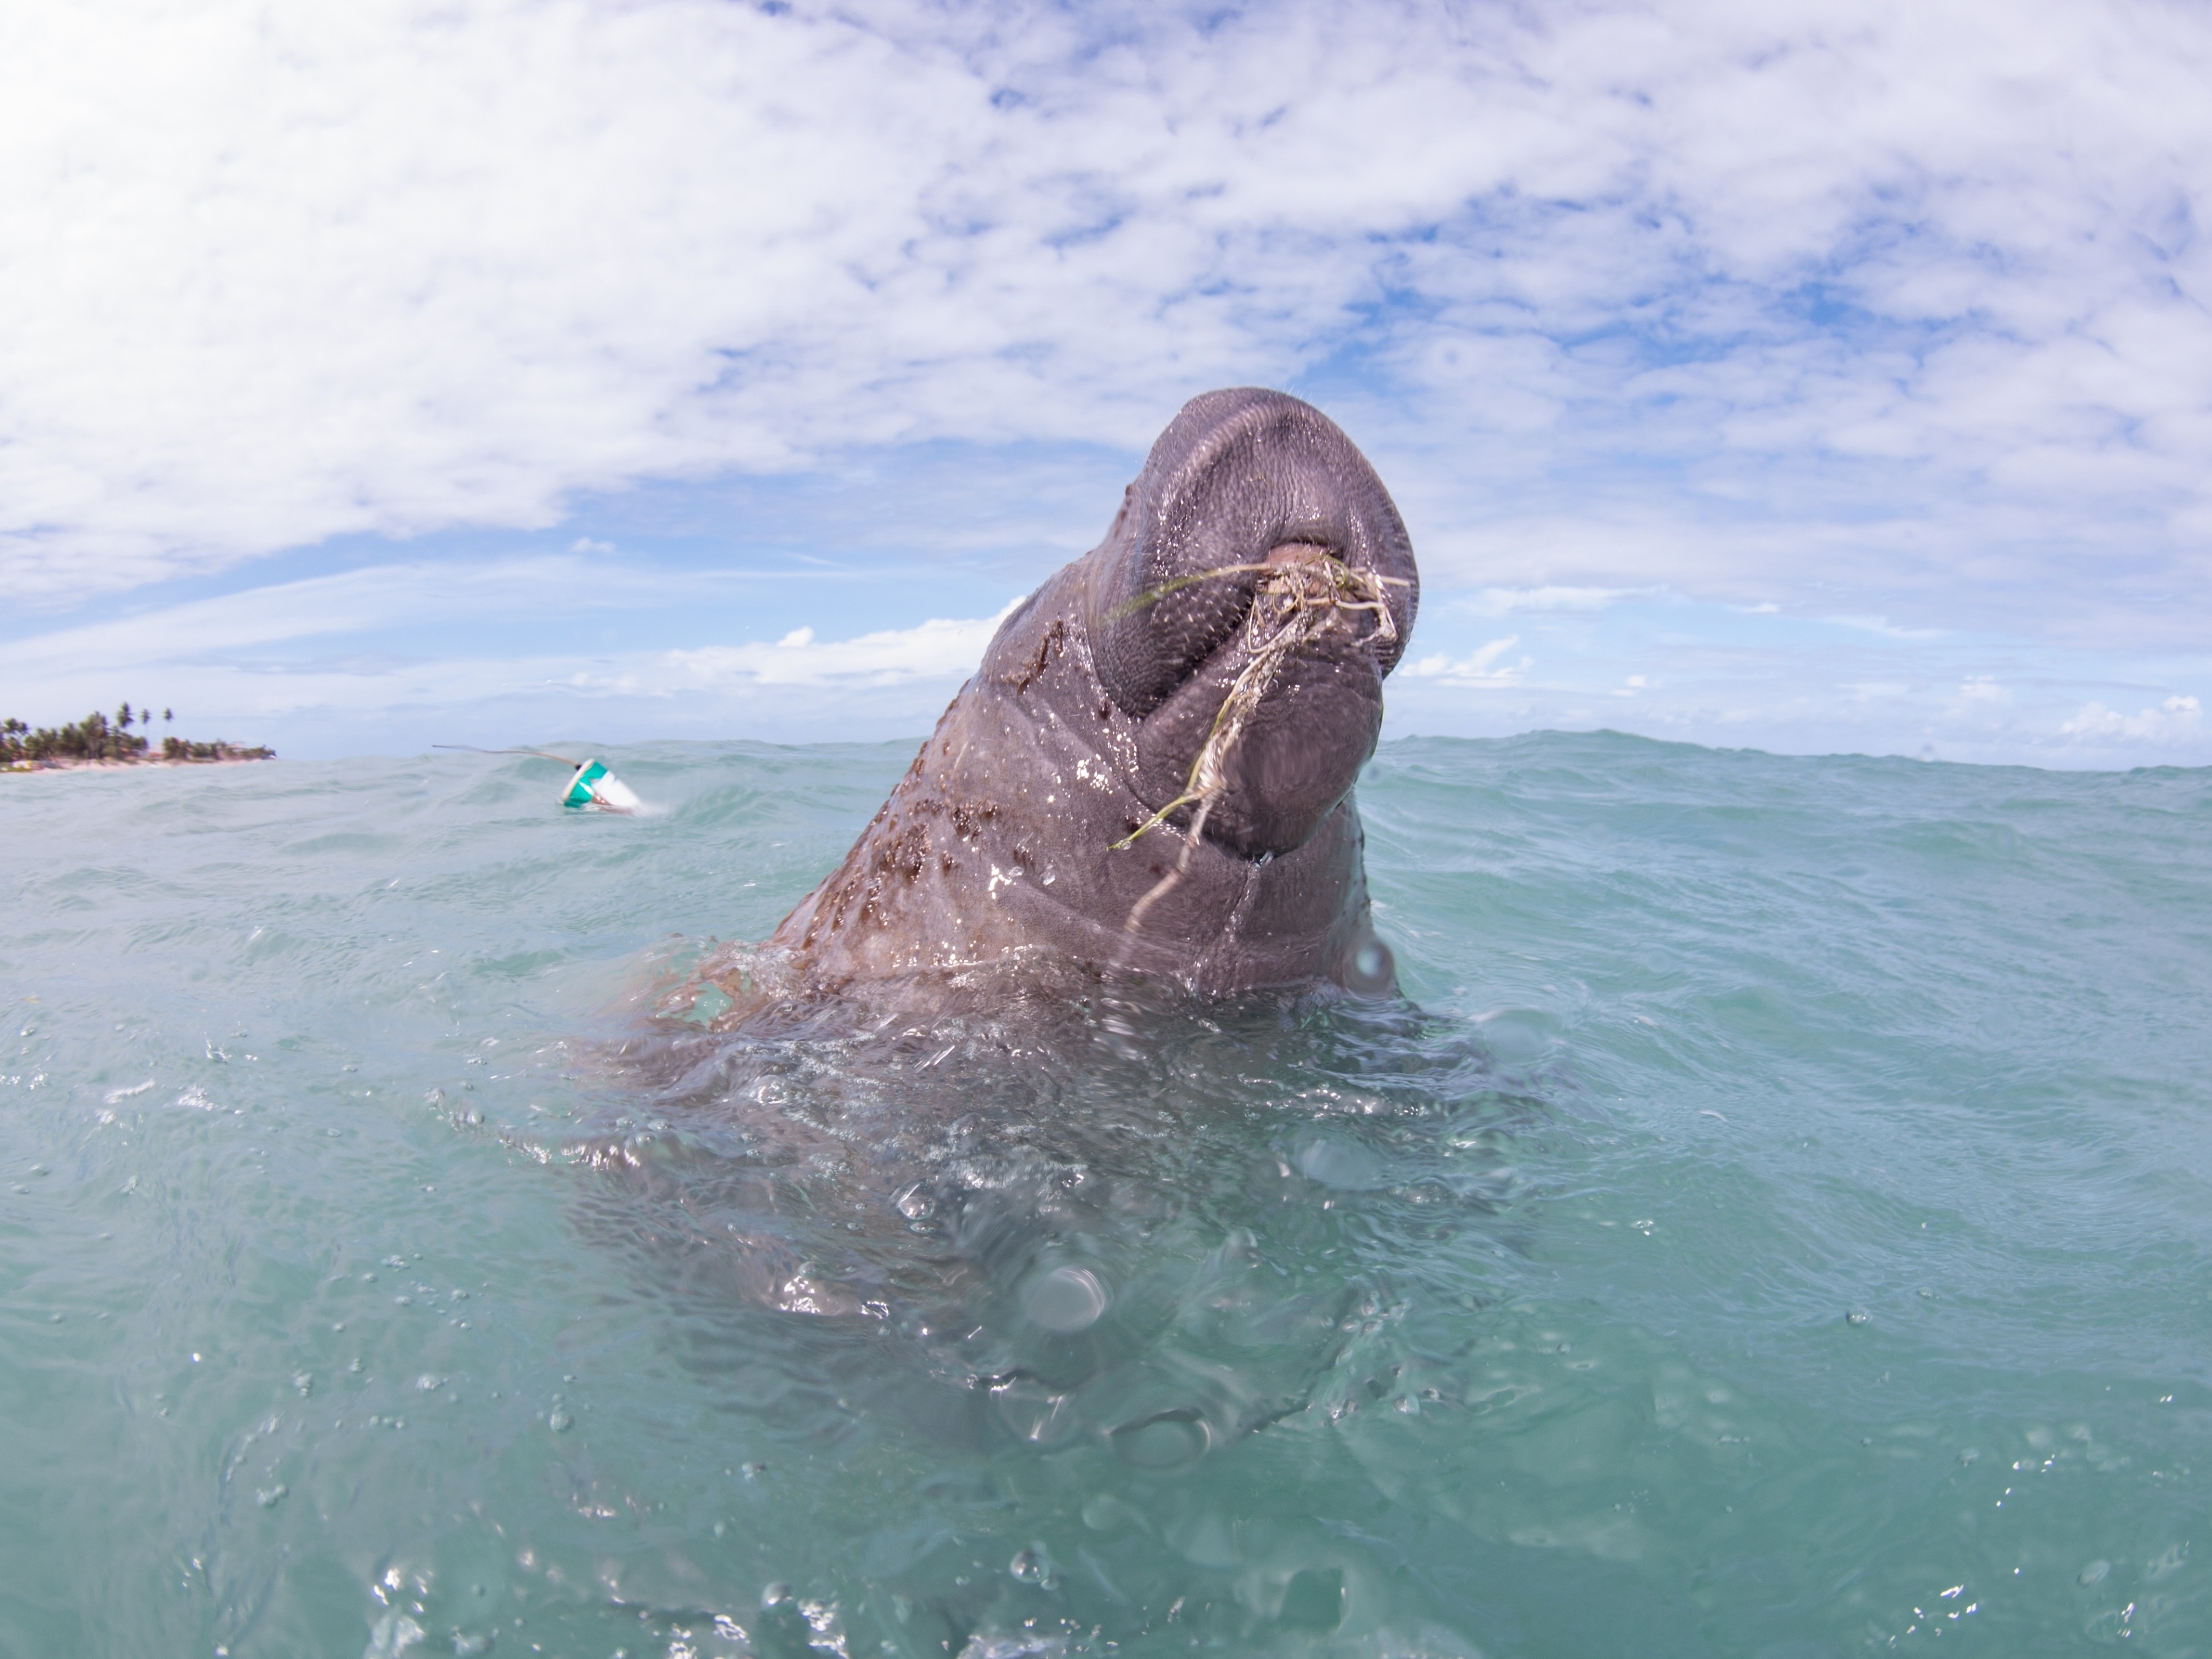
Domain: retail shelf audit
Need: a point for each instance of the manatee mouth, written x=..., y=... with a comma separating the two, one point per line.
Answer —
x=1277, y=722
x=1255, y=592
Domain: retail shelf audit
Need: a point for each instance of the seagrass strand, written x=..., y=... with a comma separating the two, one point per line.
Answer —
x=1296, y=601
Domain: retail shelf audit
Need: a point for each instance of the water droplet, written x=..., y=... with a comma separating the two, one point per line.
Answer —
x=1066, y=1299
x=1031, y=1566
x=559, y=1422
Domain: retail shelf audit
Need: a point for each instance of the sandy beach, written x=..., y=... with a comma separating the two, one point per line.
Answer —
x=24, y=767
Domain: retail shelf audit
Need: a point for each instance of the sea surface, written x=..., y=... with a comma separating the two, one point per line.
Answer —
x=1776, y=1219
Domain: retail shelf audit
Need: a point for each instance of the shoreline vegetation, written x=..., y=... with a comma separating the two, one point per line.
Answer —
x=97, y=741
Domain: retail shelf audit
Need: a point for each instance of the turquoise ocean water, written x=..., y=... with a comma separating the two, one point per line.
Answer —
x=1778, y=1220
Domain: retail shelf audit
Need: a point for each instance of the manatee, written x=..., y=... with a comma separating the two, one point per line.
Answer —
x=1152, y=772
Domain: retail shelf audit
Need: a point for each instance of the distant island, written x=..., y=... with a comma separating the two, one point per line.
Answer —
x=96, y=740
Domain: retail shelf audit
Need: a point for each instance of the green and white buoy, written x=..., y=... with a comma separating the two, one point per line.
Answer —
x=593, y=789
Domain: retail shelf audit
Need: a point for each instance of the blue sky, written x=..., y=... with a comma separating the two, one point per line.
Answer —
x=1807, y=377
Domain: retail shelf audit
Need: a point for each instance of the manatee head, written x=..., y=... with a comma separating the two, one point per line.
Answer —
x=1255, y=589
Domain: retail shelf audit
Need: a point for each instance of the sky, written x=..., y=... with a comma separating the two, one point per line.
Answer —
x=1813, y=377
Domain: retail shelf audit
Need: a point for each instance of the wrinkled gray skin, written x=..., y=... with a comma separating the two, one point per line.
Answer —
x=1084, y=719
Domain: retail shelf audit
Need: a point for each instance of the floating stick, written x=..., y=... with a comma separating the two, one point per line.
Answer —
x=471, y=748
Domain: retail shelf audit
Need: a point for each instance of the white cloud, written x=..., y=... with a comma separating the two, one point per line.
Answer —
x=934, y=650
x=354, y=602
x=1503, y=601
x=349, y=644
x=1481, y=669
x=1884, y=627
x=1757, y=303
x=2178, y=719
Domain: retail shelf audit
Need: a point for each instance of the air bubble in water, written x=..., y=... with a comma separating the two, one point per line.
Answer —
x=1858, y=1316
x=559, y=1422
x=2093, y=1573
x=1171, y=1440
x=1066, y=1299
x=1034, y=1412
x=1370, y=969
x=1340, y=1167
x=1031, y=1566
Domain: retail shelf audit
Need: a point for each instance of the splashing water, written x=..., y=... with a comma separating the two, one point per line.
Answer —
x=1776, y=1218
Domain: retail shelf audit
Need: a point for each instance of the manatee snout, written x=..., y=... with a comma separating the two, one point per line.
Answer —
x=1256, y=589
x=1150, y=771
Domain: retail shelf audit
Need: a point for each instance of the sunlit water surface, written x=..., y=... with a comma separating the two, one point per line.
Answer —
x=1776, y=1220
